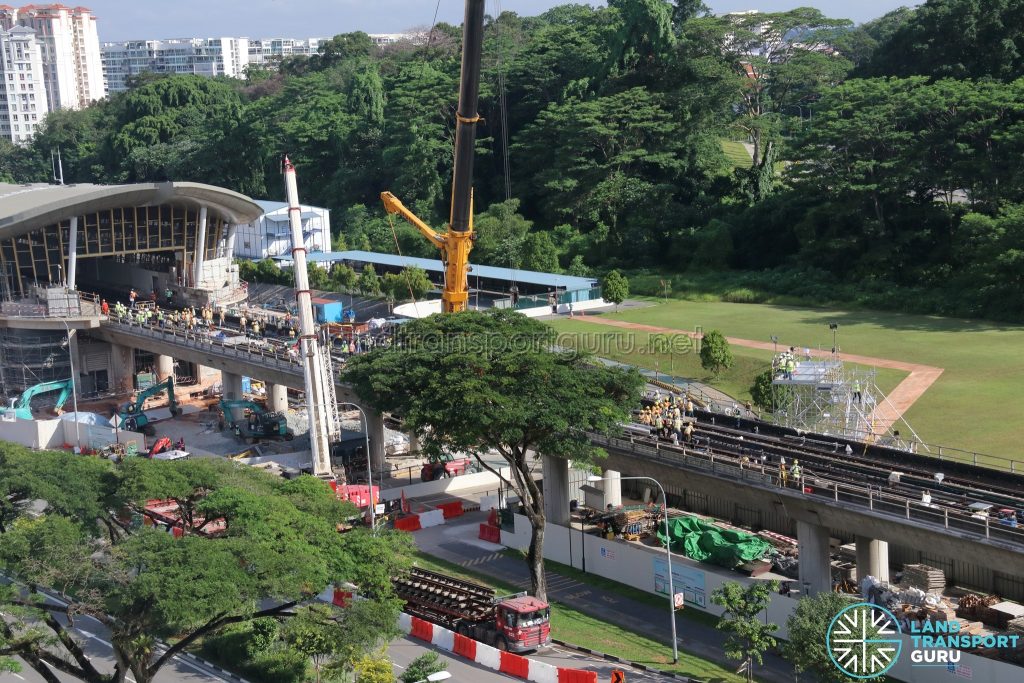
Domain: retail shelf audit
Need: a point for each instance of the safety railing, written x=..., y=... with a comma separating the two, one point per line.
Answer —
x=841, y=494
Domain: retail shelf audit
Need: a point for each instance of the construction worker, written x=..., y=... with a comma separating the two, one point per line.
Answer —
x=132, y=295
x=856, y=390
x=783, y=473
x=104, y=307
x=796, y=472
x=688, y=432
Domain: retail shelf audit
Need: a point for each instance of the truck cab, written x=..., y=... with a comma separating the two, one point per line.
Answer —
x=525, y=623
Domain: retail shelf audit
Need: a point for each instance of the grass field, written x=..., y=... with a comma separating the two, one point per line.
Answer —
x=736, y=154
x=579, y=629
x=610, y=343
x=975, y=405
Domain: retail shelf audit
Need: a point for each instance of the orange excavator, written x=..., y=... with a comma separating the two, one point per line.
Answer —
x=457, y=241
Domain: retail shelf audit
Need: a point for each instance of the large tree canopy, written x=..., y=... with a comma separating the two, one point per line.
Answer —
x=475, y=382
x=278, y=546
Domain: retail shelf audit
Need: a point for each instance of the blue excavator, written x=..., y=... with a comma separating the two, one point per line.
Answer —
x=22, y=407
x=134, y=419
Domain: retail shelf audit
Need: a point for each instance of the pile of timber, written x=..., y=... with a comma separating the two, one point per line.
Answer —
x=928, y=579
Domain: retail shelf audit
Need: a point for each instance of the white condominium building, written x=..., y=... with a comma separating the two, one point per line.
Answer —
x=270, y=51
x=201, y=56
x=22, y=93
x=69, y=49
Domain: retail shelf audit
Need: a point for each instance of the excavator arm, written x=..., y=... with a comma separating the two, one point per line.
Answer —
x=23, y=406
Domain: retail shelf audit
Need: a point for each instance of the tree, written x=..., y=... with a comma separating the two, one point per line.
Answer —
x=540, y=253
x=275, y=543
x=314, y=633
x=780, y=60
x=807, y=647
x=749, y=636
x=368, y=281
x=614, y=288
x=578, y=267
x=472, y=382
x=426, y=664
x=343, y=277
x=376, y=669
x=955, y=38
x=761, y=390
x=715, y=354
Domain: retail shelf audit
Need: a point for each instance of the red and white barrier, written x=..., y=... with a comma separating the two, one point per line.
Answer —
x=490, y=657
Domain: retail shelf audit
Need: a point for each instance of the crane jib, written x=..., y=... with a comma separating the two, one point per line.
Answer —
x=465, y=128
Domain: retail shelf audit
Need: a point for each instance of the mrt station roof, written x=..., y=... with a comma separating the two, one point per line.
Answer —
x=551, y=280
x=24, y=208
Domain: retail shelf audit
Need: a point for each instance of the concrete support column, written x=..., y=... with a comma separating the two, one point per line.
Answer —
x=200, y=255
x=556, y=489
x=612, y=486
x=164, y=367
x=414, y=443
x=76, y=361
x=375, y=429
x=122, y=368
x=872, y=559
x=232, y=385
x=72, y=252
x=277, y=398
x=229, y=245
x=815, y=567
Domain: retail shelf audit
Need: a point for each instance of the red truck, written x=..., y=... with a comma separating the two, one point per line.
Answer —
x=514, y=623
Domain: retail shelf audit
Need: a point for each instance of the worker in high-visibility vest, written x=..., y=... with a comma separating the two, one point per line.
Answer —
x=796, y=472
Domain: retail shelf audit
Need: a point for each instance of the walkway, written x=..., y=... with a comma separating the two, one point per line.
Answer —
x=899, y=401
x=457, y=543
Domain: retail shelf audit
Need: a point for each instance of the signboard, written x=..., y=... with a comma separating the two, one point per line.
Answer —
x=686, y=580
x=618, y=676
x=679, y=599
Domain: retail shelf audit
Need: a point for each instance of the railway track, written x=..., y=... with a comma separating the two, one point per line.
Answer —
x=828, y=461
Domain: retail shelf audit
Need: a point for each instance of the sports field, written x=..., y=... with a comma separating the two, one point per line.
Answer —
x=975, y=405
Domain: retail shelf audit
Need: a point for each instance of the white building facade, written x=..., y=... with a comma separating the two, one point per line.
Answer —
x=201, y=56
x=23, y=102
x=270, y=234
x=69, y=50
x=268, y=52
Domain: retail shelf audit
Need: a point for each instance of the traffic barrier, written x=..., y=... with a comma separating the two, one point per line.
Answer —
x=490, y=657
x=576, y=676
x=453, y=509
x=490, y=533
x=514, y=665
x=432, y=518
x=408, y=523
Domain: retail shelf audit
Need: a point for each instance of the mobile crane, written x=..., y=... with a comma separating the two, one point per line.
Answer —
x=22, y=407
x=456, y=243
x=132, y=416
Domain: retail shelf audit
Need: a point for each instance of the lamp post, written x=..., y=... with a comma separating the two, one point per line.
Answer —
x=834, y=327
x=74, y=390
x=775, y=344
x=369, y=465
x=668, y=556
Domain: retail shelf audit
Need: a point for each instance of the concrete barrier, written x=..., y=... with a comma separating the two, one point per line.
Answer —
x=464, y=482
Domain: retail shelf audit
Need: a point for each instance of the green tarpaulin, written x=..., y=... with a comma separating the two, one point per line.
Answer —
x=707, y=543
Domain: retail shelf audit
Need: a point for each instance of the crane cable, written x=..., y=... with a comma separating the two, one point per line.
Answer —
x=503, y=116
x=391, y=219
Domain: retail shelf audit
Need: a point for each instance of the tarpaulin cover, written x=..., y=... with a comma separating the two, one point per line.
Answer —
x=707, y=543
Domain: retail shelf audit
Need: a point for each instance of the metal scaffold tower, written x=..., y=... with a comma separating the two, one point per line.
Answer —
x=824, y=396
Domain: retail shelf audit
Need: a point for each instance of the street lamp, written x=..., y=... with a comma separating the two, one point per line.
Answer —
x=834, y=327
x=775, y=344
x=369, y=467
x=74, y=390
x=435, y=677
x=668, y=556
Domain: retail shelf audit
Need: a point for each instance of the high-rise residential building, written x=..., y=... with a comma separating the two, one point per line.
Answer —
x=202, y=56
x=22, y=92
x=268, y=52
x=69, y=49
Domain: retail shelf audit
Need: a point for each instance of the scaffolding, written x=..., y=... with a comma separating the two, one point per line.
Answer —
x=30, y=357
x=824, y=396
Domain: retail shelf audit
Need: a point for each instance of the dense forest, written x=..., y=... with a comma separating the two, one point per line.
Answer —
x=883, y=163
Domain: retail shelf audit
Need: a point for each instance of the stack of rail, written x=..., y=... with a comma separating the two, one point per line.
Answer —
x=428, y=594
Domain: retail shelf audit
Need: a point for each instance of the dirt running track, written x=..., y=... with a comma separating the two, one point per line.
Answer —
x=884, y=416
